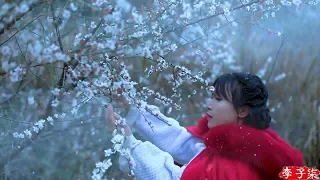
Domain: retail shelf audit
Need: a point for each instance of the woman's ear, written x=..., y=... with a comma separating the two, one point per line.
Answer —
x=243, y=111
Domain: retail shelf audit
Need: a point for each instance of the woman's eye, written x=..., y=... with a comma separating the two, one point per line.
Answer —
x=217, y=98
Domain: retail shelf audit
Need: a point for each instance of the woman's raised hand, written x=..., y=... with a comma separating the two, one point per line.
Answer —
x=120, y=99
x=111, y=121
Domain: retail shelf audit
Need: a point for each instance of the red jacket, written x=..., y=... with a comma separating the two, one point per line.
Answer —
x=237, y=152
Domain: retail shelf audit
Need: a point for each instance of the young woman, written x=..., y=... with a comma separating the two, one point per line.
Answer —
x=232, y=141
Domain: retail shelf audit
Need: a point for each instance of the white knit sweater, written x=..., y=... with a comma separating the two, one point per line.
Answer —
x=165, y=144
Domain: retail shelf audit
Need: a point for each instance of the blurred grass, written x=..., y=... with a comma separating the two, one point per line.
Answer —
x=294, y=100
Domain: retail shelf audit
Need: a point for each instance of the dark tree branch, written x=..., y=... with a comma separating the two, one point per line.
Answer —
x=11, y=23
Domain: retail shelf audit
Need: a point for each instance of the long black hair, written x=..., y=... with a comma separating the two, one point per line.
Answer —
x=245, y=89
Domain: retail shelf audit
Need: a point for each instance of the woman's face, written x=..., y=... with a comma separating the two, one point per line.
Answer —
x=221, y=111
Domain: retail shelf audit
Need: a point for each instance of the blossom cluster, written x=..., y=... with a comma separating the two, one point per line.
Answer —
x=117, y=148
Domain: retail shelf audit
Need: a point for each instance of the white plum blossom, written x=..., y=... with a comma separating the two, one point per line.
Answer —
x=118, y=138
x=108, y=152
x=50, y=120
x=22, y=8
x=36, y=129
x=73, y=6
x=56, y=116
x=74, y=111
x=5, y=50
x=55, y=91
x=16, y=74
x=55, y=103
x=18, y=135
x=6, y=65
x=40, y=124
x=62, y=115
x=124, y=4
x=297, y=2
x=28, y=133
x=66, y=14
x=101, y=167
x=31, y=100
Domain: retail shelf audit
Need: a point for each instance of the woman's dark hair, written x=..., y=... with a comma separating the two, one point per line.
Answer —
x=246, y=90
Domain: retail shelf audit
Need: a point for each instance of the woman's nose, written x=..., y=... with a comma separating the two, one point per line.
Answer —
x=209, y=107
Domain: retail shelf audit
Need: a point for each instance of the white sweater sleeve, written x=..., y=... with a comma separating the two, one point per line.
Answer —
x=174, y=139
x=150, y=161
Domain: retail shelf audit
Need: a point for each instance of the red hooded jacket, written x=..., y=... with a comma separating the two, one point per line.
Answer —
x=238, y=152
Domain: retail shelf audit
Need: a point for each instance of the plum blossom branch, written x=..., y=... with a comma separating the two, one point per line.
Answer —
x=214, y=15
x=21, y=29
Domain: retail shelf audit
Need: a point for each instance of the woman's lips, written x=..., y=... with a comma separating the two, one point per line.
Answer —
x=209, y=115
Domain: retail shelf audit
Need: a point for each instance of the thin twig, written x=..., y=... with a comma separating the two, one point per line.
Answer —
x=275, y=61
x=75, y=64
x=19, y=16
x=20, y=29
x=212, y=16
x=56, y=27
